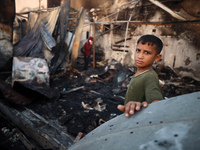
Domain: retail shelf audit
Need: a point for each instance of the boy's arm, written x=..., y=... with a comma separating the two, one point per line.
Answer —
x=131, y=106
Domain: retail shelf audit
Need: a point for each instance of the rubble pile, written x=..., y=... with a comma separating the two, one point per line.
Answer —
x=90, y=98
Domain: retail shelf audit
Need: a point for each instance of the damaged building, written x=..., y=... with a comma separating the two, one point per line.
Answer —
x=48, y=100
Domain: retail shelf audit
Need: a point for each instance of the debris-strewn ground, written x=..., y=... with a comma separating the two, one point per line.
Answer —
x=95, y=98
x=9, y=137
x=81, y=110
x=87, y=101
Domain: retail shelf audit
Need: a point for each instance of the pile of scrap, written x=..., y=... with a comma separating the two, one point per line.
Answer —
x=40, y=50
x=43, y=47
x=46, y=35
x=174, y=85
x=83, y=104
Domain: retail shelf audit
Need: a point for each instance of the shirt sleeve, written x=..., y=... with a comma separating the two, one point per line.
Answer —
x=152, y=91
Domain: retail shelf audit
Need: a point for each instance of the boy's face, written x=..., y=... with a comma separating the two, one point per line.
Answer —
x=145, y=55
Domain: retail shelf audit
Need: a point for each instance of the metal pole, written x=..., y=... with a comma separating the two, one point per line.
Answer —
x=40, y=5
x=127, y=31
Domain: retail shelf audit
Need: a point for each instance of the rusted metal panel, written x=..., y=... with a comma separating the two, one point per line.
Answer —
x=169, y=124
x=152, y=23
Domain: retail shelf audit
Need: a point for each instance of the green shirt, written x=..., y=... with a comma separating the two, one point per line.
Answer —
x=144, y=87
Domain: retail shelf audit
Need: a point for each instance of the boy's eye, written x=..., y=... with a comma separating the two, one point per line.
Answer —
x=147, y=52
x=137, y=50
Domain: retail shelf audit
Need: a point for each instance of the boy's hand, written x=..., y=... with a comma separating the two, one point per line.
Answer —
x=131, y=106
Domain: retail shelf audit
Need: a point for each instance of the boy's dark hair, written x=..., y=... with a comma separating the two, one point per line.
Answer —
x=151, y=39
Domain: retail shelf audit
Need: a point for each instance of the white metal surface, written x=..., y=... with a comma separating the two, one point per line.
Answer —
x=172, y=124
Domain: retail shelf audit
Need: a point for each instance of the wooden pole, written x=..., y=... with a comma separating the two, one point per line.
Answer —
x=94, y=45
x=76, y=43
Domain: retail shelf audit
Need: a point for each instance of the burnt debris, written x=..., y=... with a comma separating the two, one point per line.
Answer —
x=88, y=100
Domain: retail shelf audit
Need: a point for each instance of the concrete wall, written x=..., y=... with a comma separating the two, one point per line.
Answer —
x=181, y=41
x=179, y=53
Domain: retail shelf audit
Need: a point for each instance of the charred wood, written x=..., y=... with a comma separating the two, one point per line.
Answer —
x=43, y=132
x=119, y=50
x=119, y=46
x=72, y=90
x=34, y=92
x=12, y=96
x=76, y=43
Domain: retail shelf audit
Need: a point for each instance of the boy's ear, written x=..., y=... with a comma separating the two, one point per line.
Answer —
x=158, y=57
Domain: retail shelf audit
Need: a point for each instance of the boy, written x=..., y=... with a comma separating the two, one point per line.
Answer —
x=144, y=86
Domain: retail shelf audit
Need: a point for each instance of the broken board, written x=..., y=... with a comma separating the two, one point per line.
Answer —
x=48, y=134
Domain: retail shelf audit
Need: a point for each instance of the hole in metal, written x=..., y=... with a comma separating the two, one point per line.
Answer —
x=175, y=135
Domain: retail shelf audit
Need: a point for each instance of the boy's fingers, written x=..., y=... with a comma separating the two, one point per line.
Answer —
x=144, y=104
x=132, y=109
x=127, y=110
x=138, y=106
x=121, y=107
